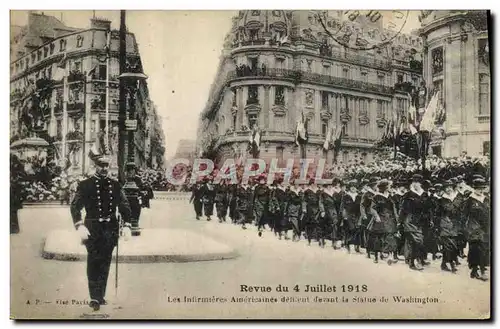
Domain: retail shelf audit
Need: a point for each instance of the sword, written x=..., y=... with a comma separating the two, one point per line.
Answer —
x=120, y=223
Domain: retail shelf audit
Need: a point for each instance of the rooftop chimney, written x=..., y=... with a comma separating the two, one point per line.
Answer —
x=100, y=23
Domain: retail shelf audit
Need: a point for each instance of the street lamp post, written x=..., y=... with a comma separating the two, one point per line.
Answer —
x=131, y=82
x=130, y=78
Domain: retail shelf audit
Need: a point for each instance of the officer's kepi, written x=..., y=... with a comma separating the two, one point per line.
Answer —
x=101, y=160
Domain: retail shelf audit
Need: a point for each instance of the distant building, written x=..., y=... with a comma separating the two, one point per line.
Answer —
x=186, y=149
x=279, y=64
x=44, y=54
x=457, y=65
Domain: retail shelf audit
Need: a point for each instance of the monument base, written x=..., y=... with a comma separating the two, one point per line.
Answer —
x=152, y=246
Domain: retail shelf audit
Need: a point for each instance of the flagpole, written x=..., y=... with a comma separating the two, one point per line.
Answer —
x=84, y=121
x=106, y=143
x=65, y=115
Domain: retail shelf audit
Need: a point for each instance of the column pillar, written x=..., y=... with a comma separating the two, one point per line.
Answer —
x=268, y=93
x=241, y=108
x=52, y=120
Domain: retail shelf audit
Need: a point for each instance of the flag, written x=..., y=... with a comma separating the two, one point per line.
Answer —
x=301, y=134
x=328, y=138
x=427, y=123
x=337, y=138
x=92, y=71
x=61, y=69
x=255, y=139
x=282, y=40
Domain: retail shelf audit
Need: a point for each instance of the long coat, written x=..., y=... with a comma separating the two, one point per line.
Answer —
x=260, y=203
x=221, y=199
x=294, y=208
x=386, y=212
x=350, y=210
x=196, y=198
x=448, y=215
x=478, y=214
x=412, y=216
x=208, y=193
x=277, y=208
x=365, y=208
x=314, y=205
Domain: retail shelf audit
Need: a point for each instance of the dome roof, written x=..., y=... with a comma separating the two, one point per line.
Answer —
x=264, y=19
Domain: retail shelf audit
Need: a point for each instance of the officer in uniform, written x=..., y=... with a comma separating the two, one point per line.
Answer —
x=100, y=196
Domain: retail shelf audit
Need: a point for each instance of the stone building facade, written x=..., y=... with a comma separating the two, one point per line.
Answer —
x=456, y=63
x=277, y=65
x=44, y=54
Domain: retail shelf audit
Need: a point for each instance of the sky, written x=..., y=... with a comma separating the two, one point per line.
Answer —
x=180, y=52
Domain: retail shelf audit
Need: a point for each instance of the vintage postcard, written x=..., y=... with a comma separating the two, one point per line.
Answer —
x=250, y=164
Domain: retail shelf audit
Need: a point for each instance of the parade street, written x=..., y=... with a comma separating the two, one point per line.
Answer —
x=42, y=288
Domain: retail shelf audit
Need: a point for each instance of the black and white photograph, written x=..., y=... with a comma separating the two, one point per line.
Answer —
x=250, y=164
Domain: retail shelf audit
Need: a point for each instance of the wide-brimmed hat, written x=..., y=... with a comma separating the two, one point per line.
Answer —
x=417, y=178
x=352, y=182
x=383, y=183
x=479, y=181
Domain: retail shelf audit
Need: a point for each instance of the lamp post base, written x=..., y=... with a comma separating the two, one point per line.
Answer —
x=132, y=192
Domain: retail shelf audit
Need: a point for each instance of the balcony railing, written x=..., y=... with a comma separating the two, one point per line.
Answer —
x=328, y=52
x=299, y=76
x=251, y=101
x=483, y=118
x=258, y=42
x=405, y=87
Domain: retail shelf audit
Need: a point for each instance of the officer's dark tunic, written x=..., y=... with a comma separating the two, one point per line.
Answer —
x=196, y=198
x=329, y=223
x=294, y=209
x=412, y=215
x=313, y=203
x=478, y=231
x=260, y=204
x=208, y=192
x=100, y=196
x=350, y=208
x=221, y=200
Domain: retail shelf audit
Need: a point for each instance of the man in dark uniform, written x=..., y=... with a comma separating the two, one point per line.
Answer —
x=100, y=196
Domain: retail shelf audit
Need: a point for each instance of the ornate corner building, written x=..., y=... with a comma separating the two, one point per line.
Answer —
x=278, y=64
x=44, y=54
x=457, y=64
